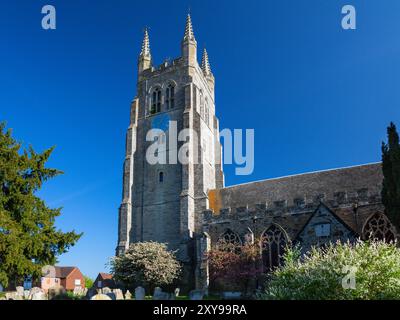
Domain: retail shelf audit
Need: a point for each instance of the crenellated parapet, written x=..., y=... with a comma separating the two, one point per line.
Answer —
x=295, y=206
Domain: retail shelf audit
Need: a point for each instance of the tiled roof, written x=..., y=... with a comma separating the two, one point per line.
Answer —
x=105, y=276
x=306, y=186
x=63, y=272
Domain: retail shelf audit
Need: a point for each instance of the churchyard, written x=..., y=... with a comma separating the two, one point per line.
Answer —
x=103, y=294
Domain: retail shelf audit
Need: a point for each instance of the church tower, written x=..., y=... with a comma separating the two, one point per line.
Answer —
x=164, y=201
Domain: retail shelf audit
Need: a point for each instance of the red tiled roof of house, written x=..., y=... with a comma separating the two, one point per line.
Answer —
x=105, y=276
x=63, y=272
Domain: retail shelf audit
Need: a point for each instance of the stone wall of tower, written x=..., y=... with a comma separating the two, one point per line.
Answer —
x=156, y=206
x=170, y=211
x=125, y=210
x=166, y=212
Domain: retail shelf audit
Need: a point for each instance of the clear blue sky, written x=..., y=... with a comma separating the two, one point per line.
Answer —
x=318, y=96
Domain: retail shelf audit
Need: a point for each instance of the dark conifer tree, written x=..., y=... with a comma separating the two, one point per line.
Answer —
x=29, y=239
x=391, y=173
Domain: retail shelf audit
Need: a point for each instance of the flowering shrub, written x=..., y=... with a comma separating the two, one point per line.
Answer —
x=147, y=264
x=234, y=264
x=363, y=270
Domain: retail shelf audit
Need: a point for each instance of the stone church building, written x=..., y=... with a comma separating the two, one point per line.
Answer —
x=188, y=205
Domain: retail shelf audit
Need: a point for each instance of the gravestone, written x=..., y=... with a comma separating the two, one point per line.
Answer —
x=158, y=294
x=35, y=291
x=106, y=290
x=20, y=291
x=100, y=297
x=26, y=294
x=79, y=292
x=177, y=291
x=231, y=295
x=13, y=296
x=118, y=294
x=39, y=296
x=128, y=295
x=196, y=295
x=140, y=293
x=56, y=291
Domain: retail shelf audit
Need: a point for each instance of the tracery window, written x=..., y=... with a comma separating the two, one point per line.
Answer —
x=273, y=244
x=230, y=237
x=156, y=101
x=170, y=96
x=378, y=227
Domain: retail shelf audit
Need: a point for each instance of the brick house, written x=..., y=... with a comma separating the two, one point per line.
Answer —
x=67, y=277
x=104, y=280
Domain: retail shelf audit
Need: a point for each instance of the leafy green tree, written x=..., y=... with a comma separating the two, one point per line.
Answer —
x=88, y=282
x=148, y=264
x=341, y=271
x=28, y=237
x=391, y=173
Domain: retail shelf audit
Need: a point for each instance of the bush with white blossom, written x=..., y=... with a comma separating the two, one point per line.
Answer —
x=346, y=271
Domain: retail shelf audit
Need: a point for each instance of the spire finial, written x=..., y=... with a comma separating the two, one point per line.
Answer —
x=205, y=64
x=146, y=44
x=189, y=35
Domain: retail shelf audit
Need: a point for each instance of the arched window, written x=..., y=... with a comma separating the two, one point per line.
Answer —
x=156, y=101
x=230, y=237
x=273, y=244
x=170, y=96
x=378, y=227
x=161, y=177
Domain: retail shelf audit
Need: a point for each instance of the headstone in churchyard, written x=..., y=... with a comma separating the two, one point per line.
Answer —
x=77, y=291
x=26, y=294
x=80, y=292
x=158, y=294
x=39, y=296
x=196, y=295
x=20, y=291
x=35, y=290
x=100, y=297
x=106, y=290
x=140, y=293
x=177, y=292
x=128, y=295
x=13, y=296
x=118, y=294
x=56, y=292
x=231, y=295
